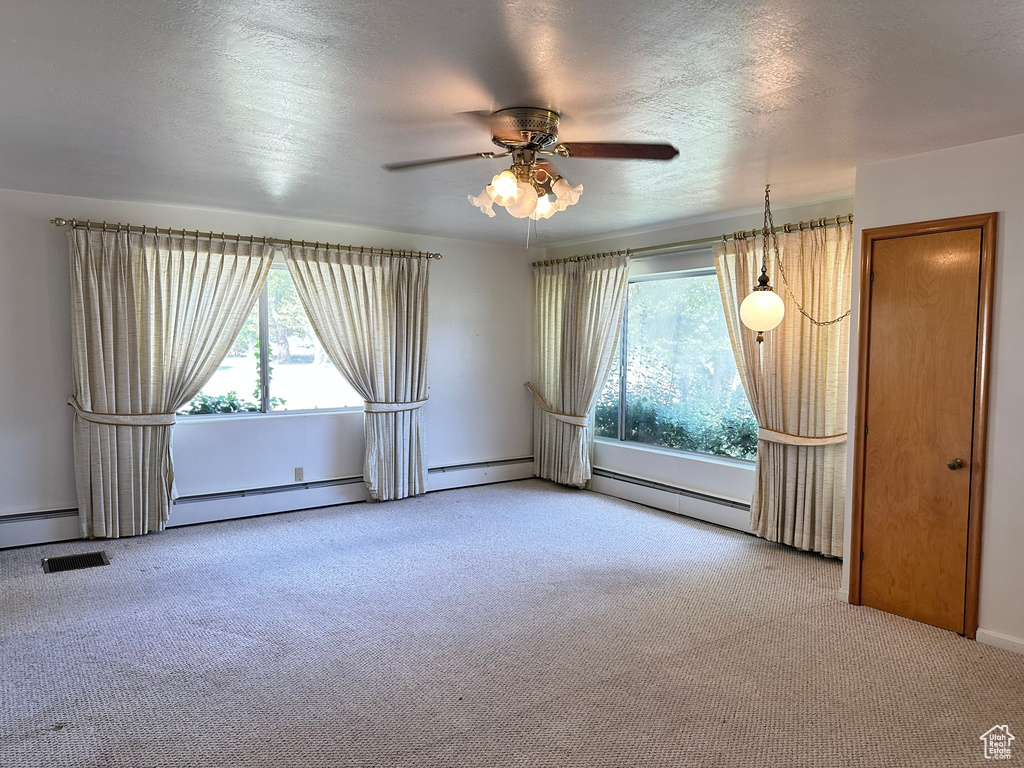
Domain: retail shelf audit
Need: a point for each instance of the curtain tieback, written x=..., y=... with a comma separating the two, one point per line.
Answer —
x=124, y=419
x=787, y=439
x=392, y=407
x=576, y=421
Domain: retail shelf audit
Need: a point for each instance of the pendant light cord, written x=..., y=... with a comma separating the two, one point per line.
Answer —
x=768, y=231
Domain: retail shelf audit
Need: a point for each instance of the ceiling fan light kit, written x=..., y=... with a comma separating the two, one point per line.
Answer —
x=527, y=189
x=532, y=188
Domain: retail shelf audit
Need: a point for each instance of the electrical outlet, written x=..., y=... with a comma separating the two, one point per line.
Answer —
x=298, y=474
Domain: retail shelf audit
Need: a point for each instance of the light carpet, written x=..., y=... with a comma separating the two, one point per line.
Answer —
x=520, y=624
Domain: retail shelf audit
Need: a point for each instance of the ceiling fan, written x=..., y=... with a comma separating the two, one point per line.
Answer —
x=531, y=187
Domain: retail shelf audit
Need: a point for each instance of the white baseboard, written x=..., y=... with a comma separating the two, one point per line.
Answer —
x=843, y=595
x=997, y=640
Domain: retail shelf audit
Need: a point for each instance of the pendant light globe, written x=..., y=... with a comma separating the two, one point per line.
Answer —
x=762, y=310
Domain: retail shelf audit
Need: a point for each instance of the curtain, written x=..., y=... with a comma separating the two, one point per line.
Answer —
x=152, y=317
x=578, y=315
x=796, y=382
x=370, y=314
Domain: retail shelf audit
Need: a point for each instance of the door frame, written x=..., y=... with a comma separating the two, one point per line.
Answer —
x=987, y=223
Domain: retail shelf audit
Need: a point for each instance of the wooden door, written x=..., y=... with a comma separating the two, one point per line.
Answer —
x=920, y=442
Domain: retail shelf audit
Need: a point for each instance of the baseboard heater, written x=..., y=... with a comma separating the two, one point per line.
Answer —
x=480, y=465
x=670, y=489
x=329, y=483
x=268, y=489
x=25, y=517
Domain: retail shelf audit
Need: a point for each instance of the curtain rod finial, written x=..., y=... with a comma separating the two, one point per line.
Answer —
x=59, y=222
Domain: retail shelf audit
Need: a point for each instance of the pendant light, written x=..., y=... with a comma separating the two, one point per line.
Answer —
x=763, y=309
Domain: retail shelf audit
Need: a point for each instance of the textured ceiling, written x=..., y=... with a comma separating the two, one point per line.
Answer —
x=290, y=108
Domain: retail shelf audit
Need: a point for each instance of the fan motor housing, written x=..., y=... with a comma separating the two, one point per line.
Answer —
x=524, y=128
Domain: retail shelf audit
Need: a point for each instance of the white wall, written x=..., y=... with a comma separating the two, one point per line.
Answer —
x=977, y=178
x=478, y=346
x=722, y=478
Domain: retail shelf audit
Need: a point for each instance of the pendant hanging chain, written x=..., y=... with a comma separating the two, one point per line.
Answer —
x=769, y=231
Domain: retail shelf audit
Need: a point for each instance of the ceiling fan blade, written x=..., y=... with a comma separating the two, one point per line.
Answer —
x=495, y=124
x=479, y=116
x=437, y=161
x=617, y=150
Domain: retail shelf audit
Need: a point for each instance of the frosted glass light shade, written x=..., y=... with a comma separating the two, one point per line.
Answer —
x=545, y=208
x=483, y=202
x=566, y=194
x=504, y=189
x=762, y=310
x=526, y=203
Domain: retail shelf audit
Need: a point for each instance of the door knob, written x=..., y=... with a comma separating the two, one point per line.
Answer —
x=955, y=464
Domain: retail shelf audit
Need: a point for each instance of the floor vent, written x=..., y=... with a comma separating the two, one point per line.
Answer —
x=74, y=562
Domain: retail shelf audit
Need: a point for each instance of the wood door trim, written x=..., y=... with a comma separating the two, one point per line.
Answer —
x=978, y=454
x=987, y=223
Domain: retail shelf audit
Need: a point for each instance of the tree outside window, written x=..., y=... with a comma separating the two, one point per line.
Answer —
x=681, y=389
x=300, y=376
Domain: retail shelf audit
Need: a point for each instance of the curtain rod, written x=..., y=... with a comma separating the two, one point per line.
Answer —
x=584, y=257
x=102, y=225
x=831, y=221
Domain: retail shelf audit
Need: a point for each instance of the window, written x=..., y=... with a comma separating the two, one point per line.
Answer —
x=299, y=376
x=676, y=384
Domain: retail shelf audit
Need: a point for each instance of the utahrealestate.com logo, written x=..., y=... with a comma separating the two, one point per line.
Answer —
x=997, y=742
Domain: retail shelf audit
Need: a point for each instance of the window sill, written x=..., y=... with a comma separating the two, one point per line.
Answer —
x=195, y=418
x=702, y=458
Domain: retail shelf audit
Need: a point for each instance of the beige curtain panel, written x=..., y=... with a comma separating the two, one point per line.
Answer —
x=578, y=316
x=152, y=317
x=370, y=314
x=796, y=382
